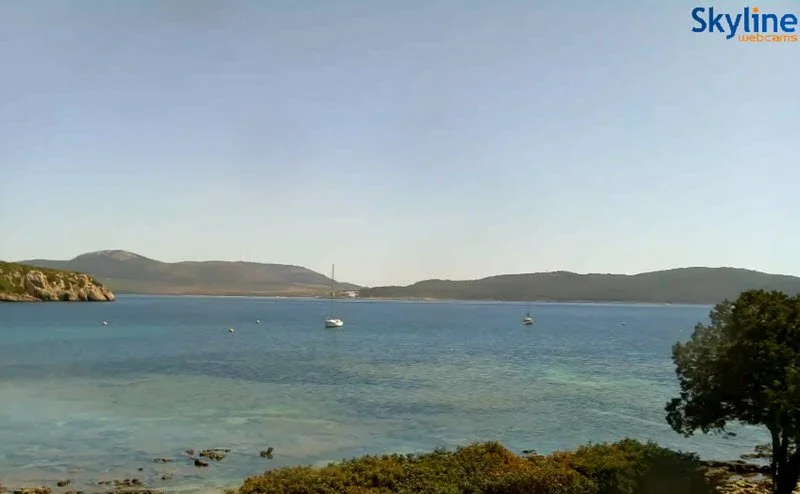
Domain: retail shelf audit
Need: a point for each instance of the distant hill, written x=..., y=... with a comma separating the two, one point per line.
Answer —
x=683, y=285
x=126, y=272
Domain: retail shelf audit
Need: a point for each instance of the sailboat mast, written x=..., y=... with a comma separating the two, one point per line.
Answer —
x=333, y=273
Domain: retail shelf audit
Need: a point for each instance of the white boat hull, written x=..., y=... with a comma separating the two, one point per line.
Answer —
x=334, y=323
x=527, y=321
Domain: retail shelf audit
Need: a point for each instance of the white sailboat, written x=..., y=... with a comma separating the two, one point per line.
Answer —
x=332, y=322
x=528, y=319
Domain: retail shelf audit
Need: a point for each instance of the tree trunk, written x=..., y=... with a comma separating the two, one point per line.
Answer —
x=785, y=482
x=788, y=469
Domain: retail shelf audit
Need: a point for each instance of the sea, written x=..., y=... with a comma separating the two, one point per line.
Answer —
x=87, y=402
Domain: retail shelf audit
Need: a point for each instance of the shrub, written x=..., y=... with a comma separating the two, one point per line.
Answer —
x=626, y=467
x=632, y=467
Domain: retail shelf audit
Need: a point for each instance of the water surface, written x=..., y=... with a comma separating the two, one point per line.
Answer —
x=89, y=402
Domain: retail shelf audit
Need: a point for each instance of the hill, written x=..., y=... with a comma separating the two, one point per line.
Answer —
x=684, y=285
x=24, y=283
x=126, y=272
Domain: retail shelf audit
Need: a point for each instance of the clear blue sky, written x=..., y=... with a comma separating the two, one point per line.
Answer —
x=400, y=140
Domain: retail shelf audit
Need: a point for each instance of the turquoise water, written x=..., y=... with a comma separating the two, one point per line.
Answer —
x=89, y=402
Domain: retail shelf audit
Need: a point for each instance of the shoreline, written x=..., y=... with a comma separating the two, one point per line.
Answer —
x=415, y=299
x=194, y=473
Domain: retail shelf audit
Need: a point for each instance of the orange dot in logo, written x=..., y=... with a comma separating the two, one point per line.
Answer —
x=755, y=9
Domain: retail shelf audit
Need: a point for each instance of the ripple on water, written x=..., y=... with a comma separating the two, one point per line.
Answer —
x=94, y=403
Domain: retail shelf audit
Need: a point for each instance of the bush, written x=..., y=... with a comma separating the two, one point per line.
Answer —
x=632, y=467
x=626, y=467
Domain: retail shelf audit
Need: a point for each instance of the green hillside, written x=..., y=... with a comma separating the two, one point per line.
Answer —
x=683, y=285
x=126, y=272
x=25, y=283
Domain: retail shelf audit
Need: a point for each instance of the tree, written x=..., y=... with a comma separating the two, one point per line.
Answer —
x=745, y=367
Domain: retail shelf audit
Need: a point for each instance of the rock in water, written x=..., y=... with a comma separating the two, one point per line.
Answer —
x=23, y=283
x=214, y=454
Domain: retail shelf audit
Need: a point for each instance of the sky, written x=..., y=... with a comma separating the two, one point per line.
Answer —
x=400, y=140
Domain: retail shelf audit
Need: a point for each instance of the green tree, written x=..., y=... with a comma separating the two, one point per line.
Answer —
x=745, y=367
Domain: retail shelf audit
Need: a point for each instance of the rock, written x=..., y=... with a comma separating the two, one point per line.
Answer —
x=214, y=454
x=190, y=452
x=122, y=483
x=23, y=283
x=162, y=460
x=33, y=490
x=738, y=467
x=267, y=453
x=63, y=483
x=167, y=476
x=200, y=463
x=134, y=491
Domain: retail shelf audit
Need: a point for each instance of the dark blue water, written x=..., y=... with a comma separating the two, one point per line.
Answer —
x=85, y=401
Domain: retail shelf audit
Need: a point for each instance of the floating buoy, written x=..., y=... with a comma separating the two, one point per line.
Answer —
x=623, y=323
x=258, y=321
x=231, y=330
x=105, y=323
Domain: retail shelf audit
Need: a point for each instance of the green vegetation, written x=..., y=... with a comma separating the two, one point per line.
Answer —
x=626, y=467
x=685, y=285
x=12, y=274
x=745, y=367
x=125, y=272
x=18, y=283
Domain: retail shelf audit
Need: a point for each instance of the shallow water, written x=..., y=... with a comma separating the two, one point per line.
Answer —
x=89, y=402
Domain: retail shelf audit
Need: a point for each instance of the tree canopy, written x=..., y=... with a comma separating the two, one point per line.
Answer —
x=745, y=367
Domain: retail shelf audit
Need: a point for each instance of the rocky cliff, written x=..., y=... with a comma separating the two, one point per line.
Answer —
x=23, y=283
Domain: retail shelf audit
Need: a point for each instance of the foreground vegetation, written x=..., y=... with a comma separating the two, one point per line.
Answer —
x=745, y=367
x=626, y=467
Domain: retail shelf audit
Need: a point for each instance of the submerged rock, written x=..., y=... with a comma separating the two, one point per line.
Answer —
x=200, y=463
x=135, y=491
x=266, y=453
x=214, y=454
x=162, y=460
x=63, y=483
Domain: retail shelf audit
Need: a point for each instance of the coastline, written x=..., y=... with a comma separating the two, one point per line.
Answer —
x=415, y=299
x=193, y=471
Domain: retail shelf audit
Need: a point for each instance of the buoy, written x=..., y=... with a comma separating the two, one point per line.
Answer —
x=258, y=321
x=623, y=323
x=105, y=323
x=231, y=330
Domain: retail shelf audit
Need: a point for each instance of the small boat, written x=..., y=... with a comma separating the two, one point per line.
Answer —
x=528, y=319
x=332, y=322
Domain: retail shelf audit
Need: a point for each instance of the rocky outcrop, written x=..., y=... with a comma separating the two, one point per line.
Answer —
x=23, y=283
